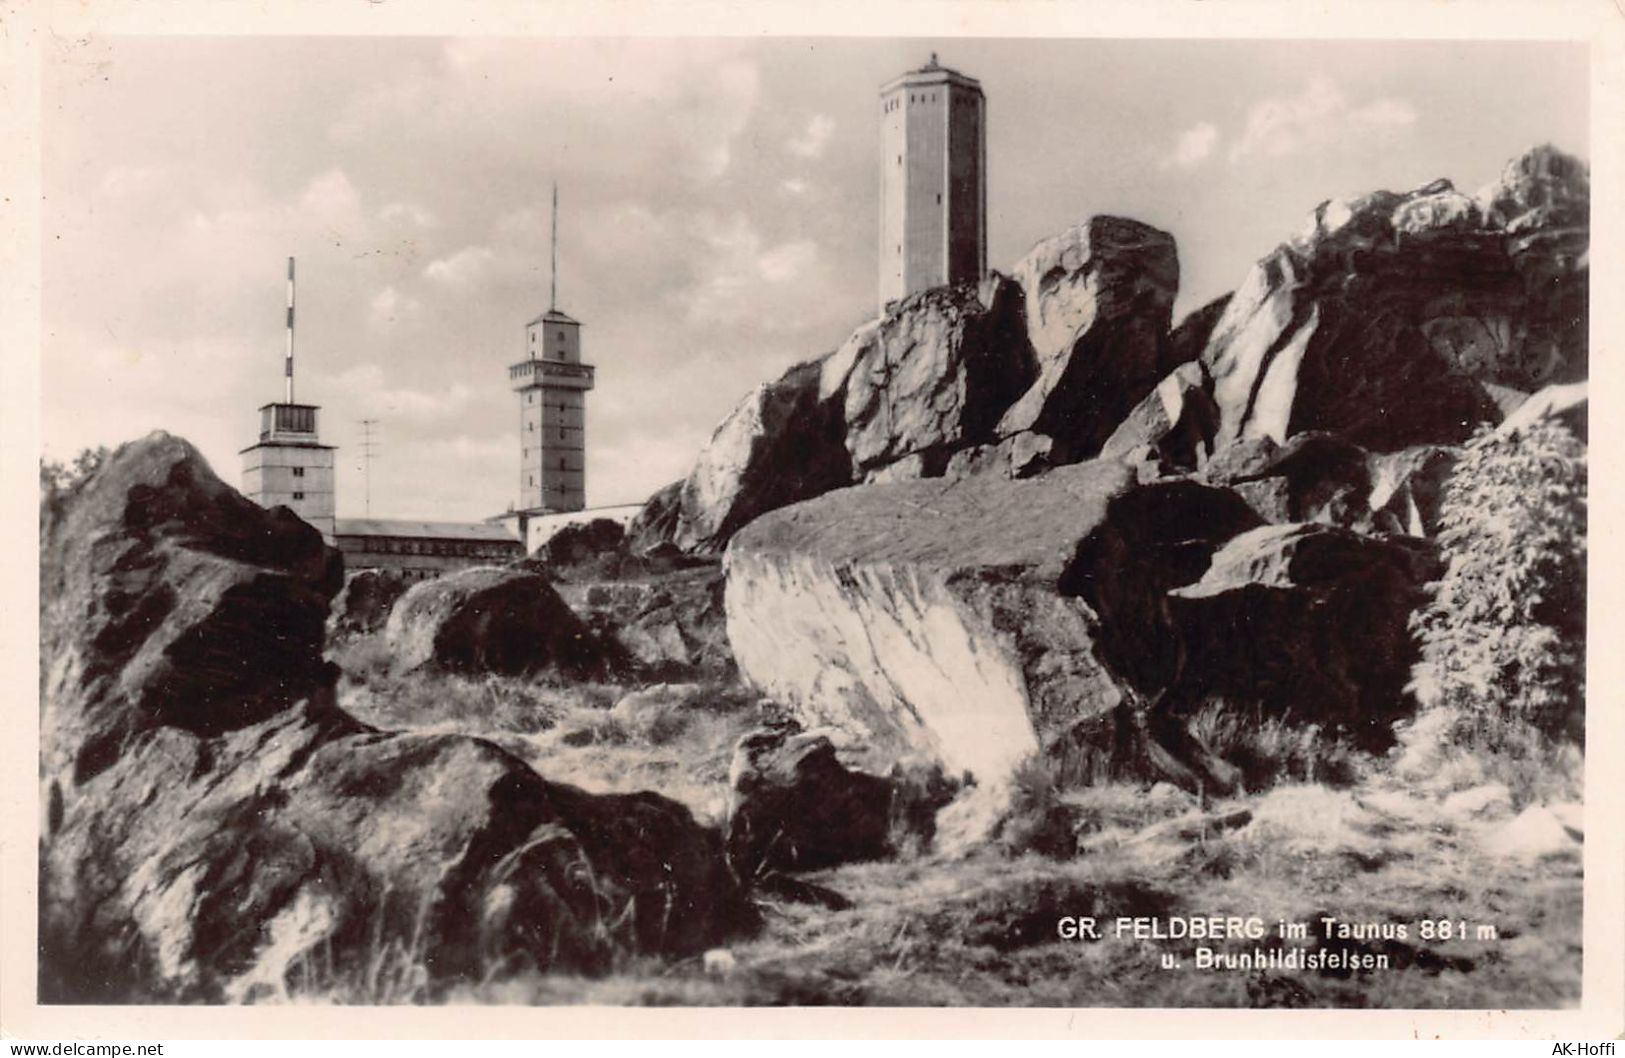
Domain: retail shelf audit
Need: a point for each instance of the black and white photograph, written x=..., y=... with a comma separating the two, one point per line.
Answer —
x=917, y=519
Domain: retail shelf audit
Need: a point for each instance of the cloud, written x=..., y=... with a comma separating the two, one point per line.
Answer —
x=813, y=139
x=409, y=213
x=330, y=194
x=465, y=268
x=368, y=394
x=676, y=109
x=794, y=186
x=1194, y=147
x=784, y=263
x=390, y=308
x=1317, y=117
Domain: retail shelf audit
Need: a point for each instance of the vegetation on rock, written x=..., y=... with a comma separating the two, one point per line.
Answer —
x=1503, y=634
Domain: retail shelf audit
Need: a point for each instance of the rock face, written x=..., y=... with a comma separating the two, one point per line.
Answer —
x=1323, y=614
x=1384, y=321
x=1098, y=298
x=215, y=825
x=978, y=622
x=363, y=606
x=671, y=626
x=934, y=376
x=505, y=621
x=969, y=623
x=1035, y=370
x=782, y=444
x=794, y=806
x=1173, y=424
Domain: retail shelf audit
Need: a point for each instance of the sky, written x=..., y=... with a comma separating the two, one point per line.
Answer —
x=718, y=214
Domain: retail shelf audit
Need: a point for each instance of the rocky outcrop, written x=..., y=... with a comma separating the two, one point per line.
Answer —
x=1568, y=404
x=1023, y=374
x=971, y=623
x=1191, y=336
x=215, y=826
x=979, y=622
x=505, y=621
x=1308, y=621
x=934, y=376
x=656, y=524
x=1174, y=424
x=671, y=626
x=1385, y=320
x=363, y=605
x=793, y=805
x=1319, y=477
x=1098, y=298
x=782, y=444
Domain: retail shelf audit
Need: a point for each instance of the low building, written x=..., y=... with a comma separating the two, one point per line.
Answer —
x=536, y=526
x=423, y=549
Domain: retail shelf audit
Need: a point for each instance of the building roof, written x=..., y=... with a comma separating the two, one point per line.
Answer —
x=480, y=531
x=932, y=72
x=553, y=316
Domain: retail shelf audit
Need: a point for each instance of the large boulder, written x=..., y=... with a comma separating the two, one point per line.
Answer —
x=943, y=622
x=671, y=626
x=1308, y=621
x=506, y=621
x=1098, y=303
x=1174, y=424
x=1386, y=320
x=793, y=805
x=216, y=828
x=783, y=443
x=363, y=605
x=934, y=375
x=1319, y=477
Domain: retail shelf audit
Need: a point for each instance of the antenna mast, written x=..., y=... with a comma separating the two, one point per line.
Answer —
x=553, y=271
x=368, y=447
x=287, y=367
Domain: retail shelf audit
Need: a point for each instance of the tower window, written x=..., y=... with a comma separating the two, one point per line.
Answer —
x=298, y=472
x=299, y=495
x=561, y=336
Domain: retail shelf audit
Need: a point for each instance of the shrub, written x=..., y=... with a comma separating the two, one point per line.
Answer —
x=1502, y=636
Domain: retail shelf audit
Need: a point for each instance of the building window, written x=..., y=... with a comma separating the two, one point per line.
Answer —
x=561, y=336
x=298, y=472
x=561, y=462
x=299, y=495
x=531, y=426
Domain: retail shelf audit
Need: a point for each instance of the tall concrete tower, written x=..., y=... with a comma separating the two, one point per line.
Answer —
x=289, y=466
x=552, y=384
x=933, y=181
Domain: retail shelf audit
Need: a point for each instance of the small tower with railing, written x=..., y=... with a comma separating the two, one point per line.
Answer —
x=552, y=385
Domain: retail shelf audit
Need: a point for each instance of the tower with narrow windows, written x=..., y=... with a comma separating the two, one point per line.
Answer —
x=552, y=385
x=933, y=181
x=289, y=466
